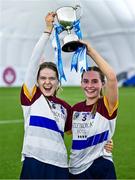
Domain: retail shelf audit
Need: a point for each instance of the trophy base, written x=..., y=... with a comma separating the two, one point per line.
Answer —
x=71, y=46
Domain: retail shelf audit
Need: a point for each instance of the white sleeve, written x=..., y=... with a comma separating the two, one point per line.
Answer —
x=33, y=66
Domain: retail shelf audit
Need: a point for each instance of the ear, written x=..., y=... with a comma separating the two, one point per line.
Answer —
x=103, y=89
x=59, y=88
x=103, y=84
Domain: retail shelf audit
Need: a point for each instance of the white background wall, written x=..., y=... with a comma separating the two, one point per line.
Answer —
x=108, y=24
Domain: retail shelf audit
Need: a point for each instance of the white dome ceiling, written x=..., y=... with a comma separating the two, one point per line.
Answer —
x=108, y=24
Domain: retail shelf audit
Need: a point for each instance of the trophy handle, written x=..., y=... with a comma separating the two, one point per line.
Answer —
x=79, y=12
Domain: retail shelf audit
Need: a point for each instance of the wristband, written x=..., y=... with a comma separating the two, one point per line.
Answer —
x=47, y=32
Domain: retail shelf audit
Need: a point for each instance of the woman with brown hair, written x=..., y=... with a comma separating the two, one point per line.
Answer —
x=93, y=121
x=46, y=117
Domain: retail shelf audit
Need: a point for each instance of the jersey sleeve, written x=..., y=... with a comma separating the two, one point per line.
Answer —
x=26, y=98
x=32, y=70
x=107, y=106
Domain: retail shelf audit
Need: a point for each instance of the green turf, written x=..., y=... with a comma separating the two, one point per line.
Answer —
x=11, y=135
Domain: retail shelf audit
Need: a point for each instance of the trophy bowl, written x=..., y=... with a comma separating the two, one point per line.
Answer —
x=66, y=16
x=71, y=43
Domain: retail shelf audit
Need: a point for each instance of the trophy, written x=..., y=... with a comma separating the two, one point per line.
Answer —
x=66, y=17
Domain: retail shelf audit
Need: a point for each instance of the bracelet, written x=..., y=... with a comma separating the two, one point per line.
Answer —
x=47, y=32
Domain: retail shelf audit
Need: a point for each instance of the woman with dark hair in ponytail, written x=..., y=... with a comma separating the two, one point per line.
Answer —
x=93, y=122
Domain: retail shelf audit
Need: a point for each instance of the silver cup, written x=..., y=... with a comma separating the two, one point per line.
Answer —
x=66, y=16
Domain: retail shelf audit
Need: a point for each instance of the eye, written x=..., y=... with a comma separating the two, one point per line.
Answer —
x=95, y=81
x=52, y=78
x=85, y=81
x=42, y=78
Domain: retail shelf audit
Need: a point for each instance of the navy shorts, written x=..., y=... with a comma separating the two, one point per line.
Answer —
x=100, y=169
x=34, y=169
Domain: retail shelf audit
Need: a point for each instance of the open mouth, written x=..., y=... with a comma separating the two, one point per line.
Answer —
x=47, y=89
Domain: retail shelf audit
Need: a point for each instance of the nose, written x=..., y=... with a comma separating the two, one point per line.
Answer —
x=47, y=81
x=89, y=83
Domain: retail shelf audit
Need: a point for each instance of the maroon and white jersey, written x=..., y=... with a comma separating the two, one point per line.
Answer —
x=90, y=134
x=46, y=120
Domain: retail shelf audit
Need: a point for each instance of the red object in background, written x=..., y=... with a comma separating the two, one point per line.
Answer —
x=9, y=75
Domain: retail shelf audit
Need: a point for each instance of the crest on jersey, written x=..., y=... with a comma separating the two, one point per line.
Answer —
x=62, y=109
x=53, y=105
x=76, y=115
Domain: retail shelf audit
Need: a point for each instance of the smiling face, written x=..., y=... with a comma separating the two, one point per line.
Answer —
x=48, y=81
x=91, y=84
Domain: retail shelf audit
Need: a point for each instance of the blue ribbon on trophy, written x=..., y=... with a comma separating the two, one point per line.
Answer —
x=79, y=58
x=57, y=30
x=67, y=20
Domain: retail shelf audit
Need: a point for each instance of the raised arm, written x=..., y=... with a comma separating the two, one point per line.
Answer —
x=111, y=87
x=31, y=73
